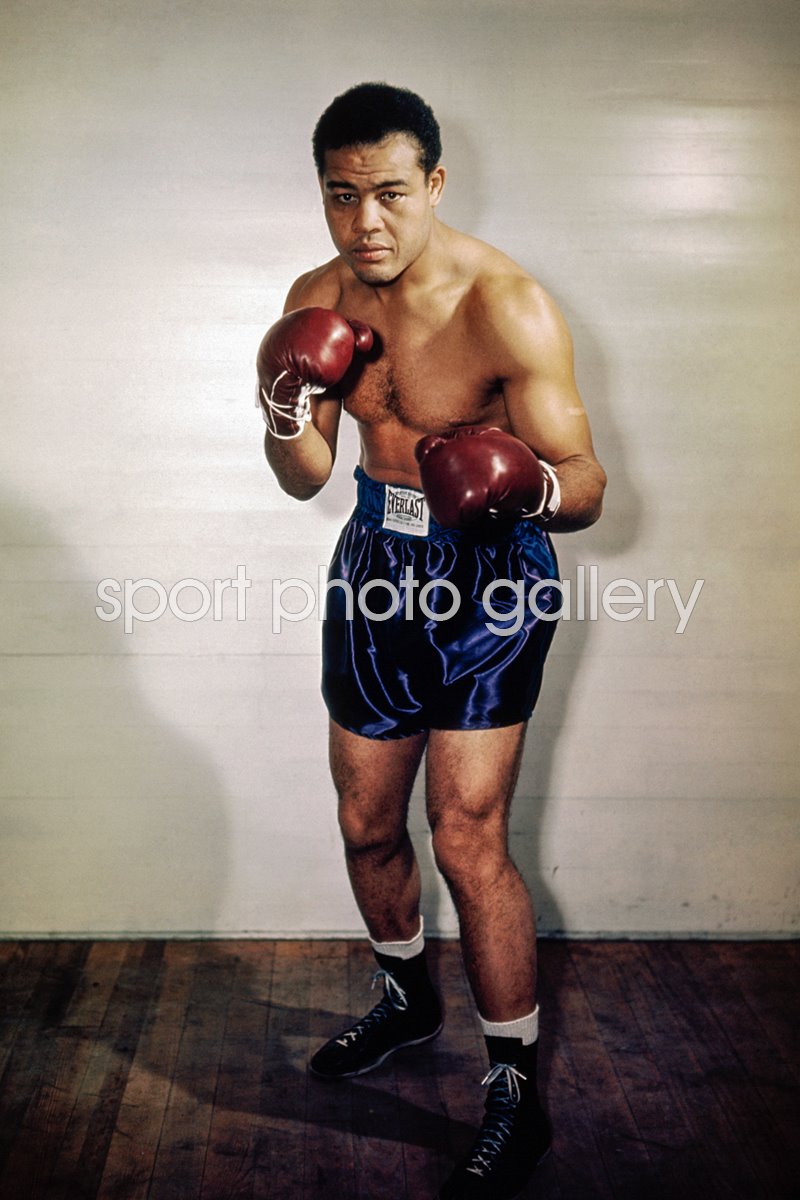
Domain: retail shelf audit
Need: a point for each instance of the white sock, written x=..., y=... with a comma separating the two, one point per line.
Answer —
x=402, y=950
x=526, y=1028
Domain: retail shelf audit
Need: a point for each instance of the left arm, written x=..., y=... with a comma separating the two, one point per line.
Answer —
x=542, y=401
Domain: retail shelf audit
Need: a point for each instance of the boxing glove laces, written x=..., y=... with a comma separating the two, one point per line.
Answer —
x=303, y=354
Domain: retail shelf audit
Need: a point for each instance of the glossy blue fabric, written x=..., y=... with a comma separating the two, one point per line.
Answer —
x=396, y=677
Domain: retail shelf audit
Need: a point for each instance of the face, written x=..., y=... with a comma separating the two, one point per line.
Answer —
x=379, y=206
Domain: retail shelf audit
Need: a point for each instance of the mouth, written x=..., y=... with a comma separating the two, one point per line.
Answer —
x=369, y=253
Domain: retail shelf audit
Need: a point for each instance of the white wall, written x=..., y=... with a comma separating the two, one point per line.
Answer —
x=641, y=159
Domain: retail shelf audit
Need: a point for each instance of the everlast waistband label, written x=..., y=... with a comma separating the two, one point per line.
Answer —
x=405, y=511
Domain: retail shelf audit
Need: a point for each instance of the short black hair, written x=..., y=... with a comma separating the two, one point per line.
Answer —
x=370, y=112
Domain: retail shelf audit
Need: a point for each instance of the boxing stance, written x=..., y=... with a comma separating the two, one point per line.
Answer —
x=475, y=446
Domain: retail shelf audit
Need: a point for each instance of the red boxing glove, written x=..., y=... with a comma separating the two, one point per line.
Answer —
x=303, y=354
x=477, y=472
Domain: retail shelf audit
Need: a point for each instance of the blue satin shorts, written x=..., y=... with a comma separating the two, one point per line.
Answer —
x=394, y=663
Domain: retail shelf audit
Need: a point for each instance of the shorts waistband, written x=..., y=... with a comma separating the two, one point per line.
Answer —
x=371, y=507
x=372, y=493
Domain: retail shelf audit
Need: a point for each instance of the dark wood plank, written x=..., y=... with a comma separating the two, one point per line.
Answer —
x=676, y=1163
x=329, y=1141
x=81, y=1159
x=280, y=1160
x=178, y=1168
x=95, y=985
x=753, y=1083
x=35, y=1150
x=771, y=985
x=627, y=1160
x=685, y=1026
x=739, y=1012
x=22, y=973
x=576, y=1159
x=36, y=1055
x=132, y=1151
x=691, y=1167
x=236, y=1125
x=9, y=952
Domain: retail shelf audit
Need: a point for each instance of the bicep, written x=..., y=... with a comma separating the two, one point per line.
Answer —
x=549, y=416
x=542, y=401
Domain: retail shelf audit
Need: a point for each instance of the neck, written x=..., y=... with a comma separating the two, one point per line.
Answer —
x=425, y=272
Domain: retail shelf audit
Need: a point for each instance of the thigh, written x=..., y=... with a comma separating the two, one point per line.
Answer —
x=373, y=665
x=374, y=776
x=472, y=773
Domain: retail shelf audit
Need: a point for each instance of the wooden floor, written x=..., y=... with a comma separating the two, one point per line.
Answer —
x=177, y=1069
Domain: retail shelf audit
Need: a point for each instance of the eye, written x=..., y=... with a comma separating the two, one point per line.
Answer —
x=343, y=197
x=392, y=196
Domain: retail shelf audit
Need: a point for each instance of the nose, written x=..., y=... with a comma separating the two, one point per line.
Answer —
x=367, y=217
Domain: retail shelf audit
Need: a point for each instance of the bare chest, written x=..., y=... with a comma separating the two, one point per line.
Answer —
x=424, y=381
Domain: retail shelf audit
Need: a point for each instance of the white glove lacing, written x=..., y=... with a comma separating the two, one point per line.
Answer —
x=549, y=505
x=296, y=409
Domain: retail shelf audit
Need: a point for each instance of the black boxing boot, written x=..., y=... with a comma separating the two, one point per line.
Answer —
x=408, y=1014
x=515, y=1134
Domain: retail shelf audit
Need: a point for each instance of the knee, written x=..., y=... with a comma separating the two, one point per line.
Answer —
x=363, y=834
x=469, y=851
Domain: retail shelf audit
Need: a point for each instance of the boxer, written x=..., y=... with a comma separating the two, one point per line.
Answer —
x=475, y=447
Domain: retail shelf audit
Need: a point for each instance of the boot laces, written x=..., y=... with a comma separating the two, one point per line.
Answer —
x=498, y=1122
x=394, y=1000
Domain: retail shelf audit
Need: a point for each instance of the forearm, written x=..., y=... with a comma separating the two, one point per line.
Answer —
x=301, y=465
x=582, y=482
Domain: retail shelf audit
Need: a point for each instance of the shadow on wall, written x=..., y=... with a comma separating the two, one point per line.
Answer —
x=113, y=820
x=615, y=534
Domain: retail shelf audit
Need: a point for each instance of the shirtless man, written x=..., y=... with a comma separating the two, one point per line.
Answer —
x=421, y=333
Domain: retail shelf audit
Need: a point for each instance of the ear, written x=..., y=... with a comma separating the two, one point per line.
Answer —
x=436, y=181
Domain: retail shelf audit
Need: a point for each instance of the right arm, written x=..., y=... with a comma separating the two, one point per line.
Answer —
x=314, y=352
x=303, y=465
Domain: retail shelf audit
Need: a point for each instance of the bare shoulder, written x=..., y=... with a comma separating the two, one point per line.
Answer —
x=320, y=287
x=514, y=307
x=508, y=310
